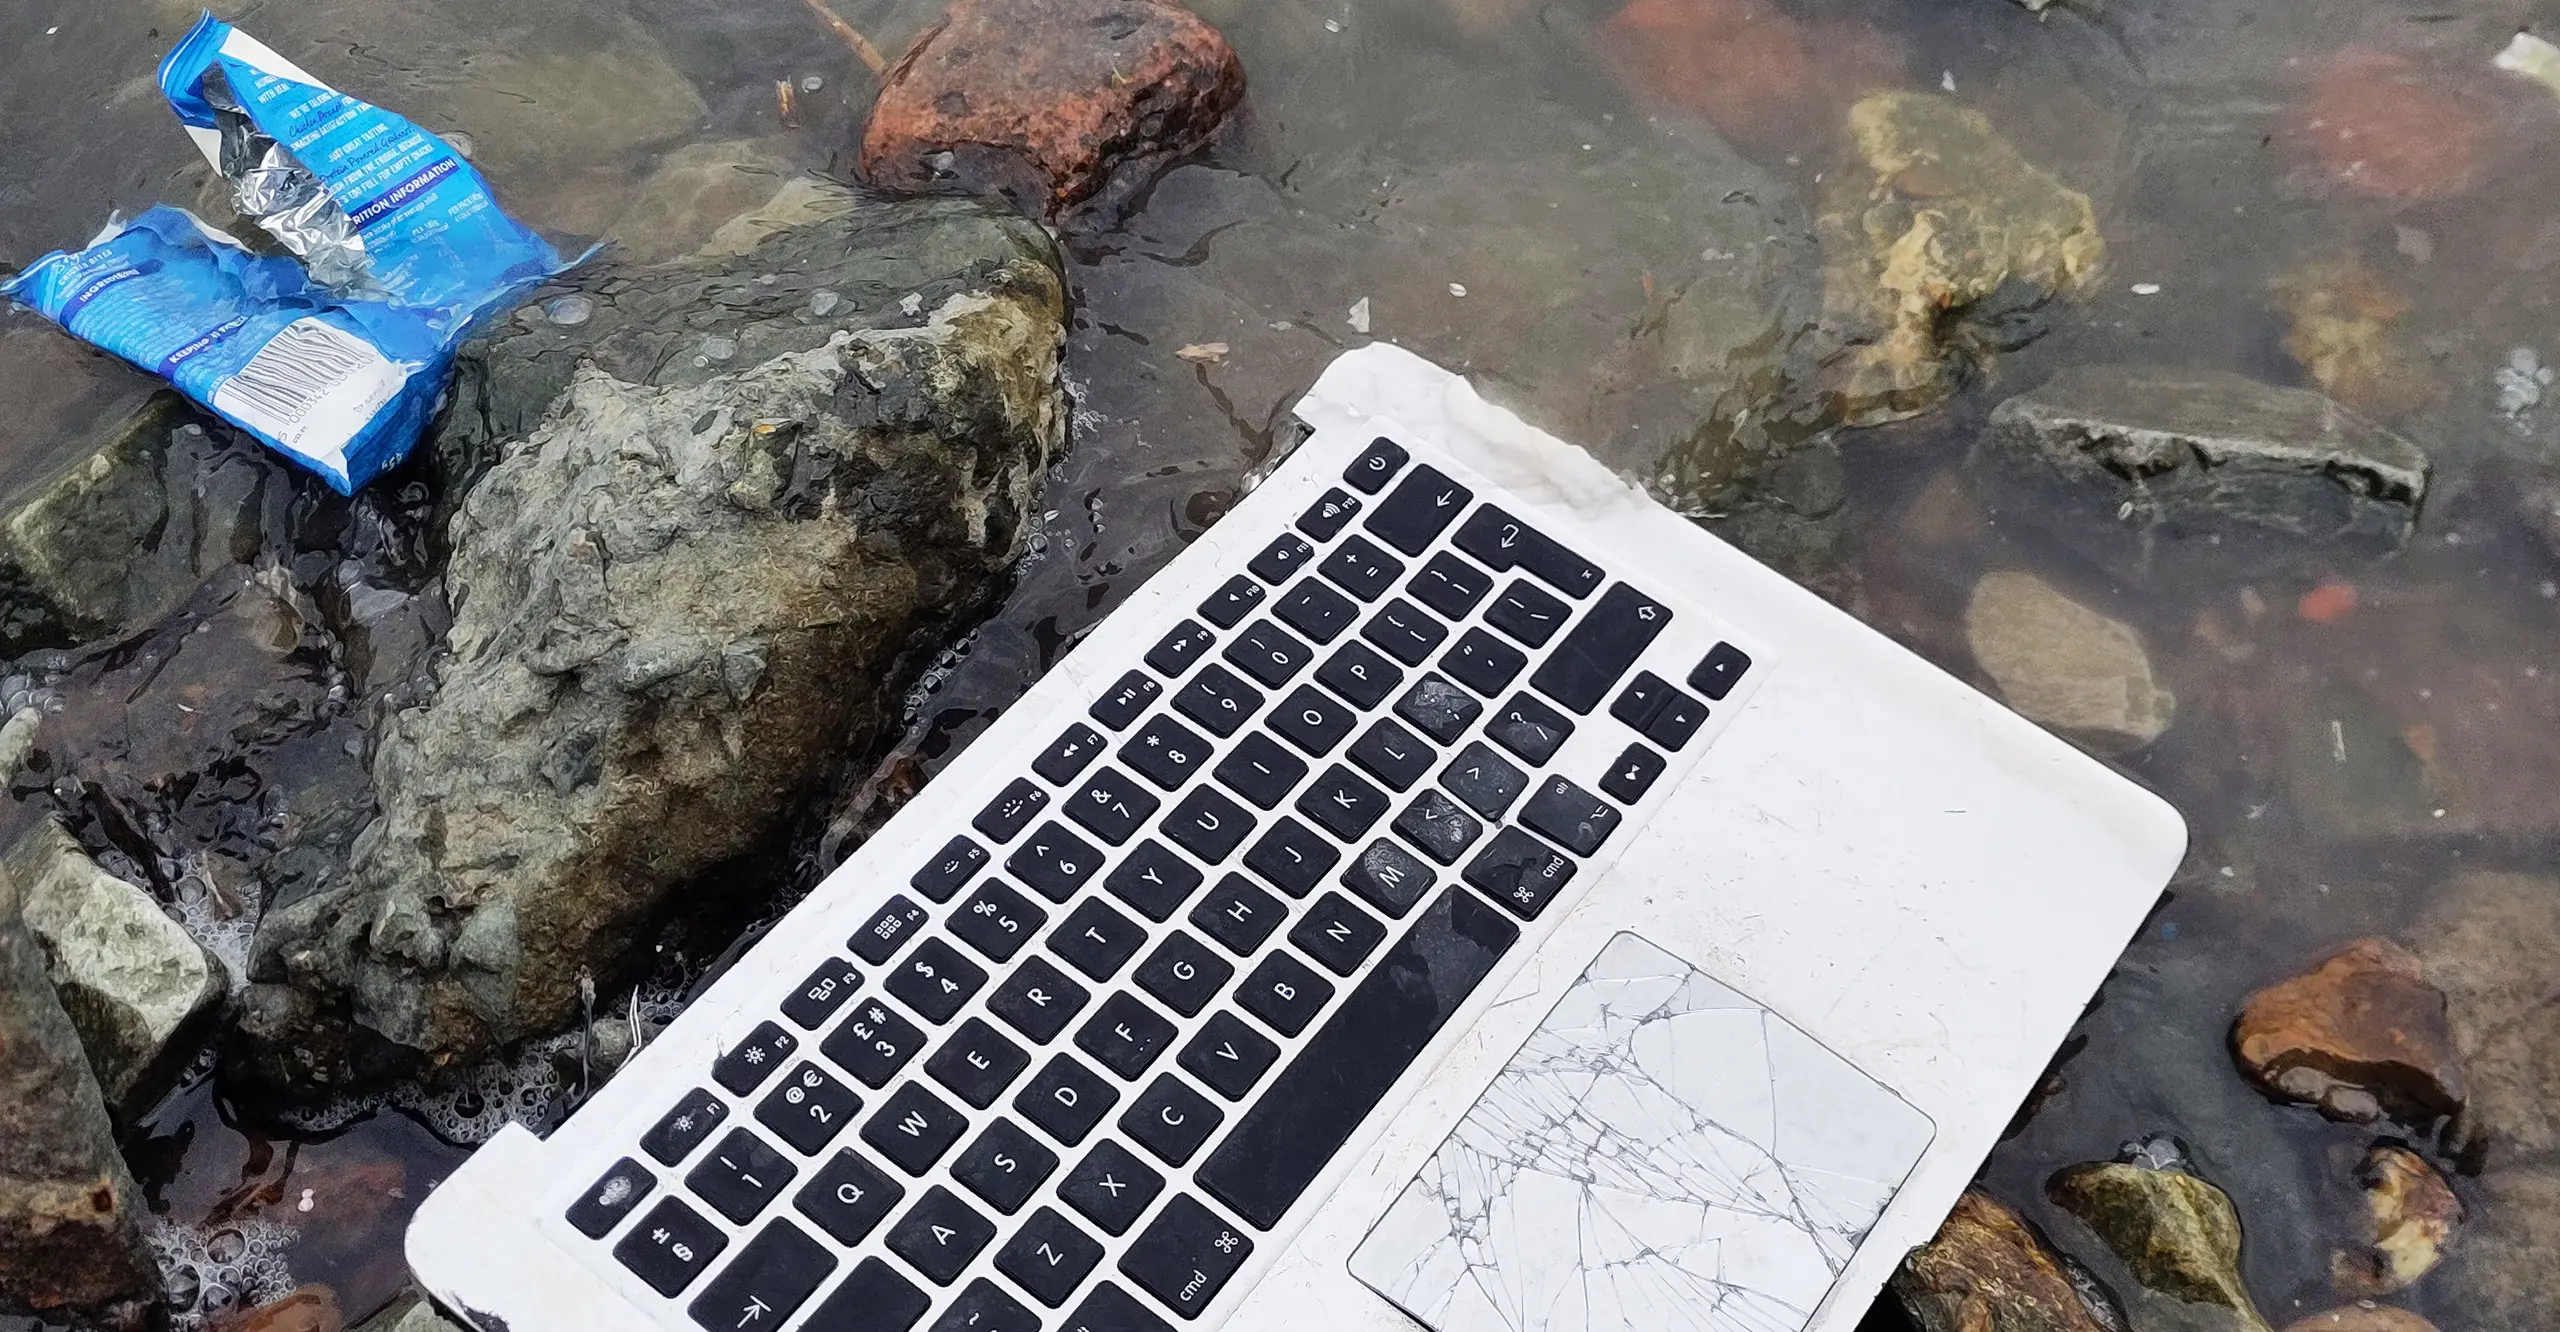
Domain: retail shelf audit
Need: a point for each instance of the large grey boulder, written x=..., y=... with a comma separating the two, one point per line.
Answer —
x=729, y=507
x=2188, y=450
x=70, y=1213
x=136, y=986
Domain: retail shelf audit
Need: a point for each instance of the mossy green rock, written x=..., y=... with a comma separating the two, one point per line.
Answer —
x=2176, y=1234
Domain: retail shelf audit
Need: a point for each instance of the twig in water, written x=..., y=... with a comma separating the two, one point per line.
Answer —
x=862, y=47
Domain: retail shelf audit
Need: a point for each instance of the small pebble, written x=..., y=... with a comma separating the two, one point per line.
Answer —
x=812, y=83
x=570, y=311
x=1333, y=25
x=913, y=304
x=460, y=141
x=1457, y=289
x=823, y=303
x=719, y=347
x=2146, y=289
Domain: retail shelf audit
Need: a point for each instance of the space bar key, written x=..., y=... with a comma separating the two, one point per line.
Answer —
x=1320, y=1100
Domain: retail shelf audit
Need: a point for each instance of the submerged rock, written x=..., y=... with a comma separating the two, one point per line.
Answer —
x=2362, y=1318
x=2181, y=449
x=2343, y=321
x=2361, y=1035
x=2492, y=942
x=1939, y=253
x=1988, y=1270
x=70, y=1213
x=2413, y=1214
x=2177, y=1234
x=2066, y=666
x=135, y=986
x=1756, y=72
x=680, y=593
x=1043, y=100
x=310, y=1309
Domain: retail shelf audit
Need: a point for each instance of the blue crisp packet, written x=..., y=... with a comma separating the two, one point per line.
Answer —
x=336, y=360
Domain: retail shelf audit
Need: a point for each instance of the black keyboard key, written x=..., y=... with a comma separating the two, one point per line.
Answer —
x=1168, y=753
x=1233, y=601
x=1048, y=1257
x=983, y=1306
x=1170, y=1120
x=1588, y=663
x=872, y=1043
x=739, y=1175
x=1312, y=721
x=997, y=921
x=1342, y=803
x=822, y=994
x=1316, y=610
x=1483, y=780
x=1325, y=519
x=935, y=980
x=1483, y=662
x=611, y=1198
x=1392, y=754
x=1286, y=555
x=1124, y=1035
x=1183, y=974
x=809, y=1109
x=873, y=1299
x=891, y=926
x=1504, y=543
x=1054, y=862
x=1004, y=1166
x=1038, y=1000
x=1180, y=649
x=1569, y=816
x=913, y=1128
x=1238, y=914
x=1642, y=700
x=1011, y=811
x=1111, y=1187
x=1422, y=507
x=1291, y=856
x=1439, y=826
x=1439, y=709
x=1154, y=880
x=670, y=1246
x=1261, y=771
x=1066, y=1099
x=1632, y=775
x=1218, y=700
x=1337, y=934
x=1359, y=674
x=754, y=1059
x=950, y=870
x=1228, y=1055
x=1405, y=632
x=1529, y=728
x=1111, y=1309
x=1388, y=877
x=976, y=1063
x=1112, y=806
x=1185, y=1256
x=1358, y=567
x=1127, y=700
x=1284, y=992
x=1450, y=586
x=1097, y=940
x=1207, y=825
x=766, y=1283
x=1269, y=653
x=940, y=1235
x=1294, y=1127
x=1068, y=755
x=1720, y=671
x=1520, y=872
x=1681, y=717
x=1527, y=613
x=1376, y=464
x=849, y=1197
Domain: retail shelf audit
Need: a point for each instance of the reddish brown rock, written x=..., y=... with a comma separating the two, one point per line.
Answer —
x=1757, y=73
x=1989, y=1271
x=1041, y=100
x=310, y=1309
x=2413, y=1214
x=2361, y=1035
x=2384, y=126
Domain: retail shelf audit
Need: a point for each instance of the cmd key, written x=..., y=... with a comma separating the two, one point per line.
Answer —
x=1505, y=543
x=1185, y=1256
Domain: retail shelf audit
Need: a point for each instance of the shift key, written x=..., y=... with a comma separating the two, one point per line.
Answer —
x=1600, y=647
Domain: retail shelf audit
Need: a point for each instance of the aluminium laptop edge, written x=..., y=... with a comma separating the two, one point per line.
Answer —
x=1837, y=943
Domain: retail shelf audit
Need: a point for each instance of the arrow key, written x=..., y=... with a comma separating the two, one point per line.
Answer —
x=1632, y=775
x=766, y=1283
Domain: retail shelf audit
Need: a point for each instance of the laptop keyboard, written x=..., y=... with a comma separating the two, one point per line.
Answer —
x=1116, y=1028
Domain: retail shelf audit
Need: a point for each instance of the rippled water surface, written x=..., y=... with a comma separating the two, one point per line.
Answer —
x=2310, y=192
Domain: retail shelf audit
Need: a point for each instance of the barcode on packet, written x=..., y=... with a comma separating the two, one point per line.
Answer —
x=311, y=388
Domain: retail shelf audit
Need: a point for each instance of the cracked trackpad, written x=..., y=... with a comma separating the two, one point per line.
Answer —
x=1662, y=1152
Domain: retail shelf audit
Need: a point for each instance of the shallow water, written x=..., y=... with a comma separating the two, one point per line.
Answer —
x=1568, y=178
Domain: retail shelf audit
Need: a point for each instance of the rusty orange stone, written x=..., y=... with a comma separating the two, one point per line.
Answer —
x=2328, y=603
x=1043, y=100
x=1753, y=70
x=2384, y=126
x=2361, y=1035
